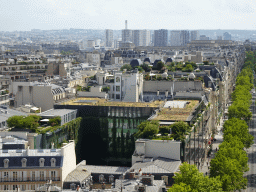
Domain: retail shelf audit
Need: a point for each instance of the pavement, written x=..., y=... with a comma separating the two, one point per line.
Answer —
x=215, y=144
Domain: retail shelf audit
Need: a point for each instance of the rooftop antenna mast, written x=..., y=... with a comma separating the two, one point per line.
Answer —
x=126, y=27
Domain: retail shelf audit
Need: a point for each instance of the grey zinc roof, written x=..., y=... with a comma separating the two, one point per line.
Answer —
x=159, y=165
x=105, y=169
x=129, y=185
x=56, y=112
x=10, y=113
x=78, y=175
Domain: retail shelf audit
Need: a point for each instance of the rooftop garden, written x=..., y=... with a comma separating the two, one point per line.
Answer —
x=177, y=114
x=32, y=122
x=152, y=130
x=80, y=88
x=104, y=102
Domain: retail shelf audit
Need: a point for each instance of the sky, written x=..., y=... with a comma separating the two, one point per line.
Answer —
x=24, y=15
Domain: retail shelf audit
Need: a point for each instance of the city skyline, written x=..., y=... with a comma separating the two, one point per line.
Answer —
x=24, y=15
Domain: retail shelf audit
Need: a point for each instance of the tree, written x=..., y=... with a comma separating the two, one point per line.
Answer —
x=192, y=178
x=238, y=128
x=164, y=129
x=179, y=129
x=146, y=67
x=188, y=68
x=182, y=187
x=15, y=121
x=230, y=172
x=239, y=109
x=244, y=81
x=232, y=141
x=147, y=129
x=241, y=93
x=140, y=69
x=206, y=62
x=55, y=121
x=128, y=67
x=147, y=77
x=231, y=151
x=159, y=65
x=31, y=122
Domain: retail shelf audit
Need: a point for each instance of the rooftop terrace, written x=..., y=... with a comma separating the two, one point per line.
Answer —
x=104, y=102
x=30, y=152
x=175, y=113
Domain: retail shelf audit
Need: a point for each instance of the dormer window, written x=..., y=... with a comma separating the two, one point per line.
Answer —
x=24, y=162
x=41, y=162
x=118, y=79
x=6, y=163
x=53, y=162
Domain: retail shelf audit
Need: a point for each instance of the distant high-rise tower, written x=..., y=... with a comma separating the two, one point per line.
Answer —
x=126, y=25
x=127, y=34
x=184, y=37
x=141, y=37
x=145, y=37
x=109, y=37
x=160, y=38
x=194, y=35
x=175, y=38
x=227, y=36
x=179, y=38
x=137, y=37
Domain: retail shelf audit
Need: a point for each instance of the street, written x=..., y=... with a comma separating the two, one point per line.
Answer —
x=251, y=174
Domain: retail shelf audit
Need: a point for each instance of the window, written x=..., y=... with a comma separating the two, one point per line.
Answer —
x=117, y=88
x=6, y=187
x=23, y=187
x=15, y=176
x=111, y=179
x=118, y=79
x=117, y=96
x=24, y=162
x=6, y=163
x=14, y=187
x=33, y=187
x=33, y=176
x=113, y=88
x=41, y=175
x=6, y=176
x=53, y=162
x=22, y=176
x=41, y=162
x=53, y=175
x=101, y=178
x=73, y=186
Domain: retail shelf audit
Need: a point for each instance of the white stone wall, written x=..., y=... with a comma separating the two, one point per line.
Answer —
x=157, y=148
x=132, y=87
x=160, y=148
x=69, y=159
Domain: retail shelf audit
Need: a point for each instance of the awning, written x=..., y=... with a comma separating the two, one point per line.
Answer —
x=44, y=120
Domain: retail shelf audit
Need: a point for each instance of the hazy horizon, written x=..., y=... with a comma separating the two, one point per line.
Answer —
x=24, y=15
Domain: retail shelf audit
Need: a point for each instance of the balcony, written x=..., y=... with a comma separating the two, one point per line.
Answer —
x=29, y=179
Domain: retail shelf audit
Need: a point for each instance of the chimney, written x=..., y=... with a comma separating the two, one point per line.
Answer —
x=126, y=24
x=28, y=151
